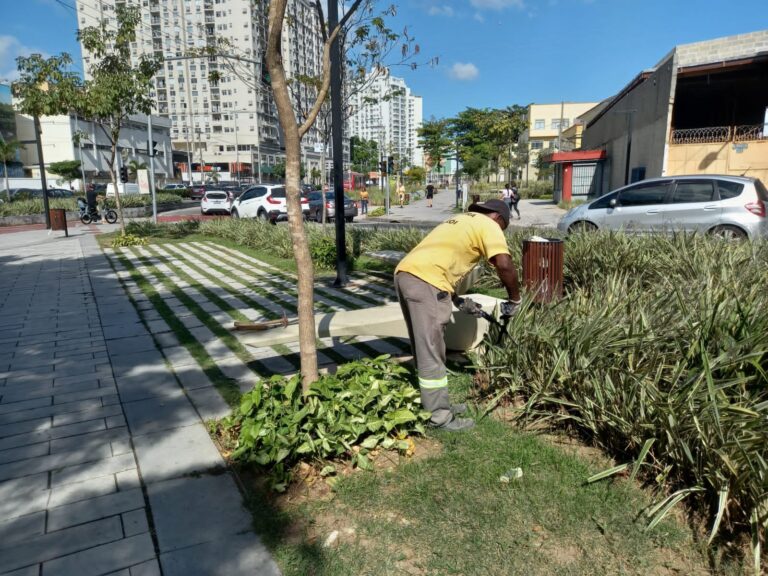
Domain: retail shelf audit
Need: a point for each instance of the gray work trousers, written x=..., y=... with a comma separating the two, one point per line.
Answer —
x=427, y=311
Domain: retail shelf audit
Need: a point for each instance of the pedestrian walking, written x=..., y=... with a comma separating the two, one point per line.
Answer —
x=514, y=199
x=426, y=280
x=364, y=200
x=401, y=193
x=430, y=194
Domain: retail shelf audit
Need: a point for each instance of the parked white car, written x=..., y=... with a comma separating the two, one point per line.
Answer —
x=266, y=202
x=215, y=201
x=731, y=207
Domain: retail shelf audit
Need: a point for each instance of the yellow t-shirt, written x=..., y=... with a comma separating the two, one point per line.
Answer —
x=451, y=250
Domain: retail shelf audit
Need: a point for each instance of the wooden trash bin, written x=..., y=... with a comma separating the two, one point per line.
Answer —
x=543, y=268
x=59, y=220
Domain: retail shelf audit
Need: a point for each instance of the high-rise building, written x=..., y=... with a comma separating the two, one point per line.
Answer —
x=384, y=110
x=220, y=106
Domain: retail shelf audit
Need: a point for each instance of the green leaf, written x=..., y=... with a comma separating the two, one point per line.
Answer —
x=641, y=458
x=402, y=416
x=607, y=473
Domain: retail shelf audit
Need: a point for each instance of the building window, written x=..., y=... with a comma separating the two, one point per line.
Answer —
x=555, y=124
x=538, y=124
x=537, y=144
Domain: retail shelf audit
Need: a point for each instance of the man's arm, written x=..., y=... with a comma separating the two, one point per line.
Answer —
x=507, y=273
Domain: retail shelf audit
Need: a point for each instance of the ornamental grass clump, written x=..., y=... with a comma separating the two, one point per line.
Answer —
x=366, y=405
x=658, y=354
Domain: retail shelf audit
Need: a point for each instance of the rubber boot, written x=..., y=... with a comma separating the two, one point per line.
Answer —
x=458, y=409
x=436, y=401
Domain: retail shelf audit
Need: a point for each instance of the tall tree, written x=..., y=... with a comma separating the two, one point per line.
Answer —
x=117, y=88
x=45, y=88
x=8, y=154
x=364, y=154
x=434, y=138
x=367, y=40
x=68, y=169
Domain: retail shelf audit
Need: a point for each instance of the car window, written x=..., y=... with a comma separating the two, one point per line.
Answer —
x=278, y=192
x=216, y=195
x=603, y=202
x=729, y=189
x=644, y=194
x=762, y=192
x=314, y=196
x=248, y=194
x=693, y=191
x=259, y=191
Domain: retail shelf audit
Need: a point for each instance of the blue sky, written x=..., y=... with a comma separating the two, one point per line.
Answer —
x=492, y=53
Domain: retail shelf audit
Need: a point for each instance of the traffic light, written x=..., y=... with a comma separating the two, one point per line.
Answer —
x=123, y=174
x=391, y=164
x=383, y=166
x=151, y=147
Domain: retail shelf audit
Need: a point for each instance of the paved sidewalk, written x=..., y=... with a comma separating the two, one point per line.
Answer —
x=105, y=464
x=533, y=213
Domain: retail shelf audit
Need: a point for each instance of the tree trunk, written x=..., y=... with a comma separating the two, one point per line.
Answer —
x=113, y=174
x=7, y=184
x=305, y=269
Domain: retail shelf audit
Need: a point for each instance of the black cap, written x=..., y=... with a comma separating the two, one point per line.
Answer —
x=493, y=205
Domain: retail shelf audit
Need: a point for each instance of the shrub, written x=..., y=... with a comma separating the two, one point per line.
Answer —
x=146, y=228
x=125, y=240
x=140, y=200
x=323, y=251
x=658, y=354
x=35, y=206
x=377, y=212
x=537, y=189
x=366, y=405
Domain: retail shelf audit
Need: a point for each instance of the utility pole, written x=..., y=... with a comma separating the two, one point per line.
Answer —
x=38, y=141
x=337, y=133
x=151, y=154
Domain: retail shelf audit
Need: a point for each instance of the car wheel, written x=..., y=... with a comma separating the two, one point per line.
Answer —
x=262, y=215
x=581, y=226
x=234, y=214
x=729, y=233
x=202, y=211
x=349, y=218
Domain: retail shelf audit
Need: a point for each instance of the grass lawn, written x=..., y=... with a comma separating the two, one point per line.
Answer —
x=447, y=512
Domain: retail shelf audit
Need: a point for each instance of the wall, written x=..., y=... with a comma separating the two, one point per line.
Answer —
x=645, y=108
x=719, y=158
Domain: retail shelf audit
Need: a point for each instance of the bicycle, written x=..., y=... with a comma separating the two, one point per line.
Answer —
x=89, y=217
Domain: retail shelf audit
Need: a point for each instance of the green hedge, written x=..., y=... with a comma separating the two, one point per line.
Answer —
x=658, y=354
x=28, y=207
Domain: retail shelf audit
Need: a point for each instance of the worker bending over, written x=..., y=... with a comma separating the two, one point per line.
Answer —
x=426, y=281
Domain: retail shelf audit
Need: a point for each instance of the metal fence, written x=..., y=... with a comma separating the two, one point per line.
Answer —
x=701, y=135
x=750, y=133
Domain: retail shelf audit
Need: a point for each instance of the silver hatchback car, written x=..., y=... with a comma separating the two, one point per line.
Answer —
x=732, y=207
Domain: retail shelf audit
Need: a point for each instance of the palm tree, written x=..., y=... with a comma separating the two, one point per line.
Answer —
x=7, y=153
x=134, y=166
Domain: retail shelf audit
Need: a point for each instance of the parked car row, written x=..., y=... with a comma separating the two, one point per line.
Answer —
x=268, y=202
x=30, y=193
x=731, y=207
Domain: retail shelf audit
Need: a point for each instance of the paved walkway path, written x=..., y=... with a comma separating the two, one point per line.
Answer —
x=105, y=463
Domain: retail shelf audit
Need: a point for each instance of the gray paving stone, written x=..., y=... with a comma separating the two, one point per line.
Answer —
x=51, y=462
x=19, y=529
x=85, y=415
x=94, y=509
x=149, y=568
x=84, y=395
x=141, y=387
x=232, y=367
x=135, y=522
x=192, y=377
x=156, y=414
x=124, y=330
x=173, y=453
x=90, y=440
x=55, y=544
x=137, y=361
x=130, y=345
x=33, y=570
x=23, y=453
x=242, y=554
x=158, y=326
x=209, y=403
x=217, y=506
x=78, y=491
x=36, y=425
x=80, y=472
x=128, y=479
x=179, y=356
x=103, y=559
x=47, y=390
x=167, y=340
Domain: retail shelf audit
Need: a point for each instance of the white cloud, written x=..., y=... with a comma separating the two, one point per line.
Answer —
x=479, y=17
x=10, y=48
x=497, y=4
x=464, y=71
x=440, y=10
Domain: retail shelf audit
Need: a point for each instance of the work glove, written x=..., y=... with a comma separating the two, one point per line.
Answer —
x=469, y=306
x=509, y=308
